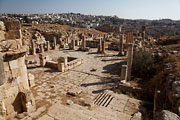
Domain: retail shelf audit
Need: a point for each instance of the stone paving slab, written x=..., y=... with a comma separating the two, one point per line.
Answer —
x=51, y=88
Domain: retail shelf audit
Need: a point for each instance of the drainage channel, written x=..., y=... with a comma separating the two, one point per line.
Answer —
x=103, y=99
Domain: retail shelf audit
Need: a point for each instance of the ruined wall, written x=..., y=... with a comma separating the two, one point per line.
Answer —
x=13, y=29
x=109, y=28
x=15, y=95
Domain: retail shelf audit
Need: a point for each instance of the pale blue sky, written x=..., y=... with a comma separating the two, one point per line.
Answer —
x=133, y=9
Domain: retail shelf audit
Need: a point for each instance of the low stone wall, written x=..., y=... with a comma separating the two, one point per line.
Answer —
x=63, y=65
x=129, y=89
x=113, y=47
x=73, y=64
x=92, y=44
x=52, y=64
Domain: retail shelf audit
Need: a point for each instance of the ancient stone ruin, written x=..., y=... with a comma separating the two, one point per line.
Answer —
x=16, y=96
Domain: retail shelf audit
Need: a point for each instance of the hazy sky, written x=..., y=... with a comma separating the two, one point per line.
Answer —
x=134, y=9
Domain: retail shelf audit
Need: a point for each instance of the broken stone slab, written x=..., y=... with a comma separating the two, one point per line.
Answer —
x=2, y=27
x=167, y=115
x=137, y=116
x=74, y=92
x=2, y=75
x=37, y=112
x=31, y=80
x=84, y=102
x=69, y=102
x=46, y=117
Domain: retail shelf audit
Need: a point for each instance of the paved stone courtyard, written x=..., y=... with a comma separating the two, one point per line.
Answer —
x=97, y=74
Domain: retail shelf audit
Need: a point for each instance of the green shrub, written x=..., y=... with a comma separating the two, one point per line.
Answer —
x=143, y=64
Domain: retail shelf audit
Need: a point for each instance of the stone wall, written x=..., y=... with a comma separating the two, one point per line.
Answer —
x=15, y=96
x=16, y=82
x=13, y=29
x=92, y=44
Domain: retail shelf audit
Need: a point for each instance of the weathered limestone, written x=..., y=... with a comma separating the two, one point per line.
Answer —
x=123, y=73
x=33, y=48
x=63, y=60
x=31, y=80
x=143, y=34
x=121, y=45
x=2, y=31
x=28, y=101
x=13, y=76
x=73, y=44
x=42, y=59
x=54, y=43
x=2, y=75
x=47, y=45
x=167, y=115
x=129, y=38
x=77, y=42
x=99, y=46
x=2, y=109
x=83, y=43
x=63, y=64
x=13, y=29
x=129, y=60
x=61, y=67
x=103, y=47
x=41, y=48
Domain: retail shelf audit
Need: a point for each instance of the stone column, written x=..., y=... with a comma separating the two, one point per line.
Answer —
x=99, y=46
x=61, y=67
x=67, y=40
x=42, y=59
x=83, y=43
x=63, y=60
x=143, y=34
x=41, y=48
x=121, y=45
x=73, y=44
x=33, y=48
x=129, y=38
x=103, y=46
x=129, y=60
x=123, y=73
x=63, y=44
x=54, y=43
x=2, y=75
x=77, y=42
x=47, y=45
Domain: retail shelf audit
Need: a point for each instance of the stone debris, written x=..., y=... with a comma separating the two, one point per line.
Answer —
x=167, y=115
x=69, y=102
x=74, y=92
x=137, y=116
x=31, y=80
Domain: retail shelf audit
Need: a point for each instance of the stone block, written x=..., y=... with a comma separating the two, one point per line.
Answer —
x=6, y=66
x=24, y=77
x=13, y=64
x=21, y=61
x=2, y=109
x=12, y=25
x=13, y=34
x=2, y=35
x=31, y=80
x=61, y=67
x=2, y=27
x=2, y=75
